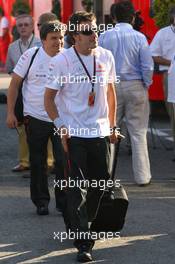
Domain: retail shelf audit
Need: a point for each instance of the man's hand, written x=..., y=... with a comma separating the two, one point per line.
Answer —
x=115, y=136
x=12, y=95
x=11, y=121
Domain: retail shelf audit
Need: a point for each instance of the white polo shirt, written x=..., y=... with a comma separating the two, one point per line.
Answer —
x=67, y=75
x=34, y=86
x=171, y=82
x=163, y=44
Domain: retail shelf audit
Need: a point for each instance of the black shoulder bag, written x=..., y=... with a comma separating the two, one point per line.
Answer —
x=112, y=207
x=19, y=101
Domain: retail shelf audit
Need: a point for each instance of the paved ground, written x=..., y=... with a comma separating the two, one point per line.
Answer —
x=149, y=233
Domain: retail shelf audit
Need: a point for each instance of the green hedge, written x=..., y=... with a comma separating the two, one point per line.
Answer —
x=161, y=10
x=21, y=6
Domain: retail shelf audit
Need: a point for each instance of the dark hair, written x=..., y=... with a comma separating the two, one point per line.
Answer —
x=1, y=11
x=46, y=17
x=51, y=26
x=76, y=19
x=112, y=11
x=124, y=12
x=139, y=22
x=172, y=14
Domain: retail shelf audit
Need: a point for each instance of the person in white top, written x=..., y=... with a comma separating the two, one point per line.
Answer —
x=171, y=82
x=80, y=99
x=163, y=49
x=25, y=28
x=4, y=37
x=171, y=86
x=39, y=126
x=4, y=23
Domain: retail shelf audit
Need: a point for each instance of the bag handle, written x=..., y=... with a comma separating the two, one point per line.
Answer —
x=114, y=165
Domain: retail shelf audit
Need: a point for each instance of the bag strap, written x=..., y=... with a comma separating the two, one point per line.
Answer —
x=32, y=59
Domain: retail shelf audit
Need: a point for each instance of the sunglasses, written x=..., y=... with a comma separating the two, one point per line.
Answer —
x=23, y=25
x=87, y=32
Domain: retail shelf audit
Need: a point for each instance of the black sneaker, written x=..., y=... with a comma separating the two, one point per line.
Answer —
x=42, y=210
x=84, y=254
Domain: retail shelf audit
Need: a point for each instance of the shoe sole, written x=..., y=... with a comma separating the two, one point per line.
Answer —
x=84, y=258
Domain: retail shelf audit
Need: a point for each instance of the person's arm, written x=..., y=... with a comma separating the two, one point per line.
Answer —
x=112, y=106
x=11, y=100
x=49, y=103
x=146, y=62
x=18, y=75
x=161, y=61
x=111, y=96
x=54, y=86
x=51, y=109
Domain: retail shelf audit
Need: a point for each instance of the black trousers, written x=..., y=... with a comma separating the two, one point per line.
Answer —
x=89, y=159
x=38, y=133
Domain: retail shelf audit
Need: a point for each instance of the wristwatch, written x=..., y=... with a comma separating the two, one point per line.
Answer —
x=114, y=129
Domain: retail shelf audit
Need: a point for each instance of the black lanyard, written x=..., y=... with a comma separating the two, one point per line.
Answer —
x=86, y=70
x=27, y=47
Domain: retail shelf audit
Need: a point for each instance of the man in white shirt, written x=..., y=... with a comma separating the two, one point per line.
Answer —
x=27, y=40
x=163, y=50
x=39, y=126
x=80, y=99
